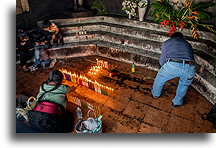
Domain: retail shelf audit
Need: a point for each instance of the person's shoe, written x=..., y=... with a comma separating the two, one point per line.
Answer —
x=53, y=62
x=45, y=65
x=25, y=68
x=35, y=67
x=154, y=97
x=175, y=106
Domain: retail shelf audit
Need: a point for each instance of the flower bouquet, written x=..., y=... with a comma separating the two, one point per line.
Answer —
x=142, y=4
x=129, y=7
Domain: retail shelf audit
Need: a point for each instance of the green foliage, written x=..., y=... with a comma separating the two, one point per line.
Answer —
x=162, y=10
x=201, y=6
x=190, y=13
x=99, y=7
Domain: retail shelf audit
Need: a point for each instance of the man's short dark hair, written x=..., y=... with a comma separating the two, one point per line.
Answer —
x=177, y=34
x=46, y=23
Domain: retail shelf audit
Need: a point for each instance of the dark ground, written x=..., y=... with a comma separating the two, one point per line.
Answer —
x=130, y=108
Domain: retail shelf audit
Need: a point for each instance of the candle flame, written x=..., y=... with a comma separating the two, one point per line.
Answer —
x=83, y=77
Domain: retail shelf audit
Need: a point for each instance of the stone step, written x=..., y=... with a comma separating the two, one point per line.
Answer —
x=133, y=41
x=201, y=57
x=203, y=87
x=200, y=44
x=130, y=23
x=204, y=83
x=105, y=23
x=89, y=47
x=149, y=55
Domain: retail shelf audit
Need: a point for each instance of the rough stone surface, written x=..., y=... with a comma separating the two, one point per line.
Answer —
x=139, y=42
x=130, y=109
x=204, y=83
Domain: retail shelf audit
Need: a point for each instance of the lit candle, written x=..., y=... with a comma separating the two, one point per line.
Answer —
x=67, y=77
x=106, y=65
x=91, y=85
x=104, y=91
x=79, y=80
x=97, y=88
x=85, y=82
x=73, y=79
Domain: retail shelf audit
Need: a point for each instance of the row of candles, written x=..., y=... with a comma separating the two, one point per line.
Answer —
x=80, y=102
x=81, y=33
x=83, y=80
x=95, y=69
x=100, y=65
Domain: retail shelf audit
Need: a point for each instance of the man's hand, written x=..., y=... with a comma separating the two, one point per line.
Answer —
x=43, y=43
x=53, y=36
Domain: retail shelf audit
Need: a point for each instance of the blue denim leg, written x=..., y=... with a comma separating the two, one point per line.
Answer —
x=185, y=80
x=168, y=71
x=37, y=54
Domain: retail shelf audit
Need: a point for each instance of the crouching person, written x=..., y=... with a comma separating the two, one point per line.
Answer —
x=41, y=44
x=50, y=115
x=55, y=33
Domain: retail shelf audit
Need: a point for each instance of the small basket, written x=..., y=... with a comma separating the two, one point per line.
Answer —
x=22, y=112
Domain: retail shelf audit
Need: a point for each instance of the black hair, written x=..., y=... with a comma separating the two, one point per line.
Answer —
x=46, y=23
x=177, y=34
x=25, y=37
x=38, y=36
x=55, y=76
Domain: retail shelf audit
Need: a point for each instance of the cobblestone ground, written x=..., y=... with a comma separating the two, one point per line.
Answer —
x=130, y=108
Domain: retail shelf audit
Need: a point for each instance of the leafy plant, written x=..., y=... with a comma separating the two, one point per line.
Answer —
x=188, y=14
x=99, y=7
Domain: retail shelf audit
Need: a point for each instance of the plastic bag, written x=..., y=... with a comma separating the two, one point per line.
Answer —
x=90, y=125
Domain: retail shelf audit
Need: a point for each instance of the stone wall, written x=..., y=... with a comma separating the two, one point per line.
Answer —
x=134, y=41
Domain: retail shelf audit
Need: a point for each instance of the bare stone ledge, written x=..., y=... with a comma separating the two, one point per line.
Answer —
x=134, y=41
x=139, y=33
x=127, y=22
x=205, y=84
x=202, y=58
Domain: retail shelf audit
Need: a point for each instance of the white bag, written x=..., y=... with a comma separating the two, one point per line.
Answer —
x=90, y=125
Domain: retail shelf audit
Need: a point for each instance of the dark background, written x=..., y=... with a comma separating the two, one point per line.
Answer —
x=42, y=9
x=51, y=9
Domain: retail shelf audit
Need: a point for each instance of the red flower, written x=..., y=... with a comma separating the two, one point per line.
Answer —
x=194, y=33
x=172, y=29
x=182, y=25
x=165, y=23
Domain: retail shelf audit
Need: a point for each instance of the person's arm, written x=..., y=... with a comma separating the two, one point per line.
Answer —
x=67, y=89
x=163, y=54
x=55, y=28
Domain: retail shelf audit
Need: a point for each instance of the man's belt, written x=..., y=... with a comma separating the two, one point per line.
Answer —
x=191, y=63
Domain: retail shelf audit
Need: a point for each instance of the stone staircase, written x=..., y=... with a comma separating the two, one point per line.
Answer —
x=133, y=41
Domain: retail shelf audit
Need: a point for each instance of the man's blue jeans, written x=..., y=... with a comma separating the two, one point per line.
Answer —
x=40, y=52
x=172, y=70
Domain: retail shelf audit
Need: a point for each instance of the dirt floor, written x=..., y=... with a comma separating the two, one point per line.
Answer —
x=129, y=108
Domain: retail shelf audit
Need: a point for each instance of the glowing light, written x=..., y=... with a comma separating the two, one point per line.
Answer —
x=83, y=77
